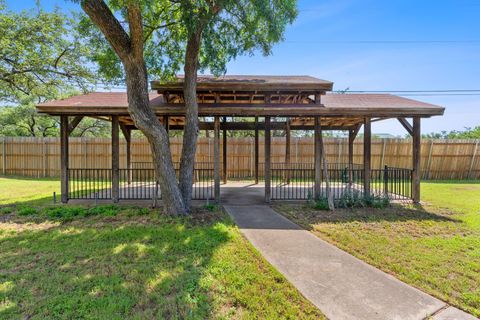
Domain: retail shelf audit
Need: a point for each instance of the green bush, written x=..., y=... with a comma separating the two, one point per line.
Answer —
x=350, y=199
x=6, y=210
x=108, y=210
x=64, y=213
x=354, y=199
x=68, y=213
x=375, y=201
x=321, y=204
x=210, y=207
x=26, y=211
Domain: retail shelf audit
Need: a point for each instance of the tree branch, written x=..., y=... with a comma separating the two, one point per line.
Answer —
x=136, y=28
x=103, y=17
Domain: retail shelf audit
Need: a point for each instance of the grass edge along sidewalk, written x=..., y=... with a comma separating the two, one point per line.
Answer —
x=435, y=248
x=125, y=262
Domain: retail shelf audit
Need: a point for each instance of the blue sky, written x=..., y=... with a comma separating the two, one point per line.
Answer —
x=346, y=41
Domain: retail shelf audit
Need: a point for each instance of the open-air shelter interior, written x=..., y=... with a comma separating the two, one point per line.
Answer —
x=270, y=103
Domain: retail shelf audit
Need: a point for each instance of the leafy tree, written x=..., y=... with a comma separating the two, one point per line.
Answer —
x=156, y=38
x=468, y=133
x=23, y=120
x=41, y=56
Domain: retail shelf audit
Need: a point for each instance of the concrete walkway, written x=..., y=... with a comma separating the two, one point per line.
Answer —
x=340, y=285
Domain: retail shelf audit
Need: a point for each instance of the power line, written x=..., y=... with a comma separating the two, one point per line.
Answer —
x=418, y=93
x=441, y=42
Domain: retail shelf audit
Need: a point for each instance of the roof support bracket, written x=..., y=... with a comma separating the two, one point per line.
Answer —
x=74, y=123
x=355, y=131
x=406, y=125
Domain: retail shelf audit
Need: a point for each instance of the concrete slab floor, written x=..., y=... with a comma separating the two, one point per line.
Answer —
x=340, y=285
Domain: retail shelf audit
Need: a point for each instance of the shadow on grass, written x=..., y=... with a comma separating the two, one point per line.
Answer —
x=110, y=267
x=307, y=216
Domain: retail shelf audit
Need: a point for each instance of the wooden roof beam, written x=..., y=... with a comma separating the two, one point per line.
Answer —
x=355, y=131
x=406, y=125
x=74, y=123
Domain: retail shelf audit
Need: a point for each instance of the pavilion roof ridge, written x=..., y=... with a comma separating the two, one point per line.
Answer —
x=249, y=83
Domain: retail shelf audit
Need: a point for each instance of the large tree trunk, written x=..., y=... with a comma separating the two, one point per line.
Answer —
x=190, y=132
x=146, y=120
x=129, y=48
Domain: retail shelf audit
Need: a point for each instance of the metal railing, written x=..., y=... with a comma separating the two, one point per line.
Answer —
x=297, y=181
x=89, y=183
x=396, y=183
x=134, y=184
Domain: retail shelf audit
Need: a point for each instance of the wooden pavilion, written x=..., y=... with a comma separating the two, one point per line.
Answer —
x=282, y=102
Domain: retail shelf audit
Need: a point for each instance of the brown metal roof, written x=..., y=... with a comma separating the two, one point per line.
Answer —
x=98, y=100
x=372, y=101
x=374, y=105
x=249, y=83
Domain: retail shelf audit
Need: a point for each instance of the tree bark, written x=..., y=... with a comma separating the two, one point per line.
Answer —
x=129, y=48
x=190, y=131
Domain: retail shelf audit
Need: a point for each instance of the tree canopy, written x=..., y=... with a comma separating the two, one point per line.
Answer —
x=41, y=56
x=231, y=28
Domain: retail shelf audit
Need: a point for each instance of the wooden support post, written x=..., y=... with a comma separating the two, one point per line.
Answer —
x=64, y=157
x=115, y=160
x=351, y=139
x=224, y=155
x=287, y=150
x=268, y=160
x=216, y=159
x=166, y=124
x=367, y=147
x=127, y=133
x=256, y=150
x=318, y=158
x=417, y=140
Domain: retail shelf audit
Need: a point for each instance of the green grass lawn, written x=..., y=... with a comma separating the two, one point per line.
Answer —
x=28, y=190
x=435, y=247
x=112, y=262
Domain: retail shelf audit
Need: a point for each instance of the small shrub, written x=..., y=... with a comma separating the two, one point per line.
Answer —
x=109, y=210
x=142, y=211
x=321, y=204
x=6, y=210
x=26, y=211
x=210, y=207
x=375, y=201
x=64, y=213
x=349, y=199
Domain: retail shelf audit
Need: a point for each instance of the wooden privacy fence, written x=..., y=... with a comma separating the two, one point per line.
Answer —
x=441, y=159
